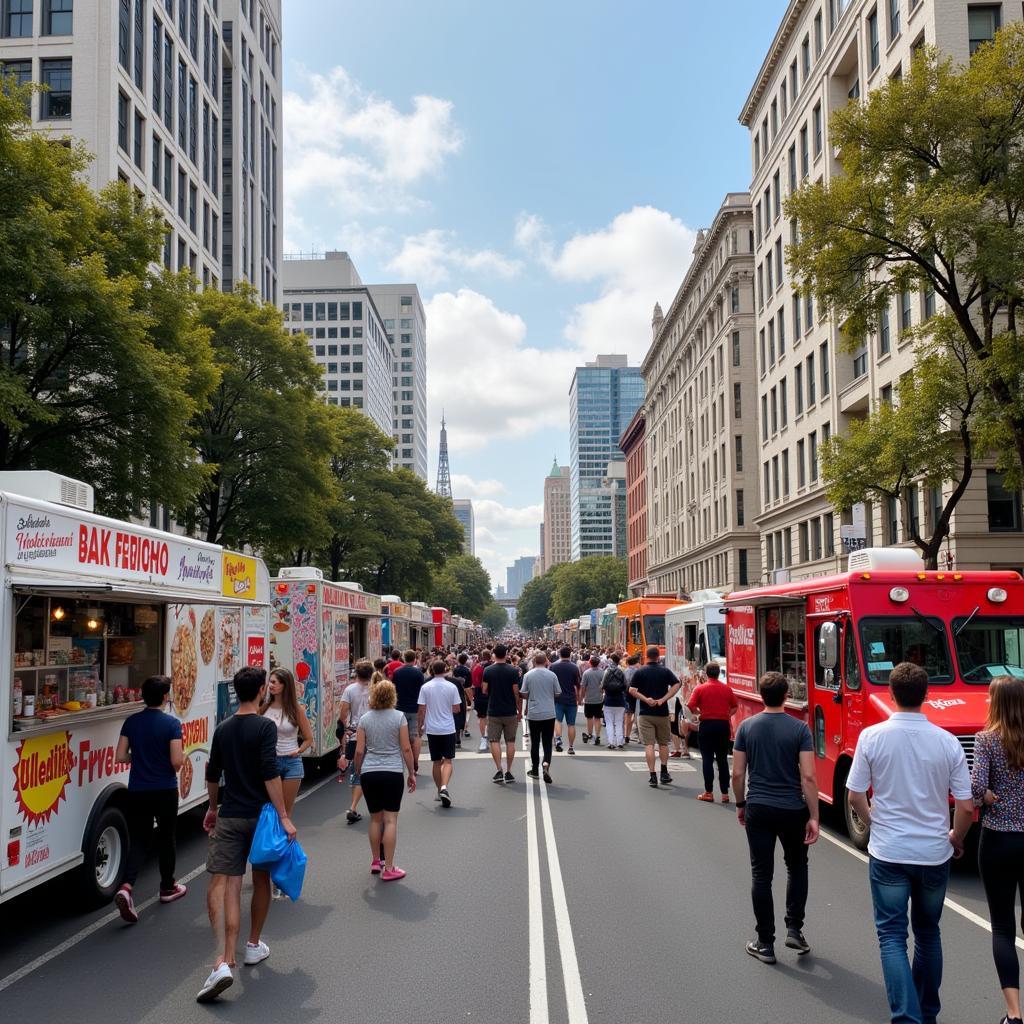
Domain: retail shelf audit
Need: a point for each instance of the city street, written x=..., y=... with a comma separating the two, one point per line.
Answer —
x=596, y=899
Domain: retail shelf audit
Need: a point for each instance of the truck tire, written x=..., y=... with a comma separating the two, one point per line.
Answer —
x=856, y=829
x=106, y=856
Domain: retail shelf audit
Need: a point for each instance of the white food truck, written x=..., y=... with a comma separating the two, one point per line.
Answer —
x=90, y=607
x=694, y=636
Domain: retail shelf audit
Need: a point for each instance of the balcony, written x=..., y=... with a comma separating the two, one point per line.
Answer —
x=854, y=398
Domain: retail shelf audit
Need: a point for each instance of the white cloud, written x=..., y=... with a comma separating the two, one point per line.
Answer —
x=466, y=487
x=358, y=152
x=533, y=236
x=504, y=534
x=432, y=257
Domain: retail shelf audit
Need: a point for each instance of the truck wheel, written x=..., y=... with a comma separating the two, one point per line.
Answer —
x=106, y=856
x=857, y=830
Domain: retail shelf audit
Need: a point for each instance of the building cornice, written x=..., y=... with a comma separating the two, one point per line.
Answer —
x=784, y=33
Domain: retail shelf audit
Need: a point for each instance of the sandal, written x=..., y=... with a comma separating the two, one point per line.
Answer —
x=353, y=816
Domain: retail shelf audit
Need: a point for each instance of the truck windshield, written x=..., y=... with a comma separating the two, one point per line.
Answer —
x=716, y=638
x=654, y=630
x=888, y=641
x=989, y=647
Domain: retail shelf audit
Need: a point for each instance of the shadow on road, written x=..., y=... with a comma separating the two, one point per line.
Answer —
x=399, y=901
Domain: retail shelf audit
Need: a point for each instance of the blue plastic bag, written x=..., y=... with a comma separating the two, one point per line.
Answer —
x=289, y=872
x=269, y=841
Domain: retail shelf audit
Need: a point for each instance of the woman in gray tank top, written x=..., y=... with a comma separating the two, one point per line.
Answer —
x=382, y=746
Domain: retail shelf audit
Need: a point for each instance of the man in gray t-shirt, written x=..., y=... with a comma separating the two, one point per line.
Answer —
x=540, y=687
x=593, y=700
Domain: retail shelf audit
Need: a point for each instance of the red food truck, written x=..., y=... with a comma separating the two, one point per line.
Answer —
x=442, y=627
x=837, y=638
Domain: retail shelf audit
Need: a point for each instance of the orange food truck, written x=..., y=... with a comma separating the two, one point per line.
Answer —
x=641, y=622
x=837, y=638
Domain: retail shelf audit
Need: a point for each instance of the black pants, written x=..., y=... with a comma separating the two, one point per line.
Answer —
x=541, y=731
x=145, y=806
x=714, y=746
x=1001, y=864
x=765, y=825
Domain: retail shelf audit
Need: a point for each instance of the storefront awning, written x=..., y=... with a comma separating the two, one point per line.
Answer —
x=763, y=601
x=134, y=593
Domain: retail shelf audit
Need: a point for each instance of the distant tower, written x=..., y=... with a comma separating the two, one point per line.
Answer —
x=444, y=480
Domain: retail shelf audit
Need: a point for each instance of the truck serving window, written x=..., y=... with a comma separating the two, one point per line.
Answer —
x=716, y=639
x=989, y=647
x=782, y=632
x=654, y=629
x=885, y=642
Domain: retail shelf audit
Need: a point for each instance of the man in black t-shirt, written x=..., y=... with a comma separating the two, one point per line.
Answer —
x=244, y=751
x=568, y=700
x=504, y=711
x=654, y=686
x=408, y=680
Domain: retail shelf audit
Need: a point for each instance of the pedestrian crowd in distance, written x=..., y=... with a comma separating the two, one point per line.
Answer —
x=905, y=775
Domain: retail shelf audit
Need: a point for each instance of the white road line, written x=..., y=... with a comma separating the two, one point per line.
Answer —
x=538, y=958
x=41, y=961
x=575, y=1004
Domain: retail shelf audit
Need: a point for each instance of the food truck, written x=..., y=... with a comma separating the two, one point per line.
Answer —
x=606, y=628
x=463, y=631
x=91, y=607
x=695, y=635
x=442, y=635
x=583, y=626
x=641, y=623
x=318, y=630
x=394, y=623
x=421, y=626
x=837, y=638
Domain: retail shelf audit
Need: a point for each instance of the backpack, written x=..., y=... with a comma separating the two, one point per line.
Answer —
x=614, y=682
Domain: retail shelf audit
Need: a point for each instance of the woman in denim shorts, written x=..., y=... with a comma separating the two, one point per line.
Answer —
x=294, y=737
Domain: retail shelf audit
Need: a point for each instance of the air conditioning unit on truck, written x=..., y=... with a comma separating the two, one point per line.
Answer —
x=837, y=638
x=89, y=608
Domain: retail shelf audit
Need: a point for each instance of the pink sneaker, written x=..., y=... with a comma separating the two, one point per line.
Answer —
x=126, y=905
x=392, y=876
x=170, y=895
x=376, y=866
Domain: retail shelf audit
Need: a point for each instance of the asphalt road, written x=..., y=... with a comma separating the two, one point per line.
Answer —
x=594, y=900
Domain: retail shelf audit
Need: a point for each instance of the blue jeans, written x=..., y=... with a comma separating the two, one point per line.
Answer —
x=913, y=991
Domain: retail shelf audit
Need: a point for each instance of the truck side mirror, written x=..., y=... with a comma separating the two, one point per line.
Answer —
x=828, y=645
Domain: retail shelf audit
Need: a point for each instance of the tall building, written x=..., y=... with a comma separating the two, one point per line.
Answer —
x=809, y=385
x=157, y=93
x=406, y=327
x=556, y=542
x=603, y=397
x=325, y=300
x=444, y=475
x=634, y=446
x=700, y=417
x=518, y=574
x=463, y=509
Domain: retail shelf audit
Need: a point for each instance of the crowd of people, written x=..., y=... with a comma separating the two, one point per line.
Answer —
x=904, y=774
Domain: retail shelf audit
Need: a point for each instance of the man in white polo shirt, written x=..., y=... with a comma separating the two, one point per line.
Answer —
x=911, y=766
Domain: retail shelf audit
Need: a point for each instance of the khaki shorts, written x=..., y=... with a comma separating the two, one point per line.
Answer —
x=502, y=728
x=229, y=845
x=653, y=729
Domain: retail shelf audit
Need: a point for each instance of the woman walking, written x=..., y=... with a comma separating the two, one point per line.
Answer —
x=294, y=736
x=540, y=686
x=997, y=780
x=382, y=745
x=613, y=686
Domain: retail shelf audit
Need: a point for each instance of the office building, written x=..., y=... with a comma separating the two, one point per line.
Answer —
x=825, y=55
x=700, y=417
x=156, y=92
x=325, y=300
x=406, y=327
x=518, y=574
x=556, y=530
x=634, y=446
x=603, y=397
x=463, y=509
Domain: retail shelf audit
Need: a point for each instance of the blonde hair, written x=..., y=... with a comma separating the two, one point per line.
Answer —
x=383, y=694
x=1006, y=717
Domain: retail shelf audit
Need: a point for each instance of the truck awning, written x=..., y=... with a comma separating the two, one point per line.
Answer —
x=764, y=601
x=135, y=593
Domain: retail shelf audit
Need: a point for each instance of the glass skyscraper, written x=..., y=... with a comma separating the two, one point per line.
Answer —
x=602, y=400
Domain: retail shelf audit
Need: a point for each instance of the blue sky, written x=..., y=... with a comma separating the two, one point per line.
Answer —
x=539, y=169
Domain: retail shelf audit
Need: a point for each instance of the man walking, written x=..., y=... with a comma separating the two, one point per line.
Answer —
x=504, y=711
x=715, y=702
x=438, y=703
x=540, y=687
x=463, y=676
x=593, y=700
x=355, y=702
x=408, y=680
x=568, y=700
x=653, y=687
x=911, y=766
x=780, y=803
x=244, y=751
x=480, y=698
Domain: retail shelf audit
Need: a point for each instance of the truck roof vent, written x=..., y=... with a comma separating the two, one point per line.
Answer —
x=881, y=559
x=46, y=486
x=350, y=585
x=301, y=572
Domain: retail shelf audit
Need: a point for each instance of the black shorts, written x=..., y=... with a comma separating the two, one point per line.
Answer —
x=441, y=747
x=480, y=705
x=593, y=710
x=673, y=726
x=630, y=705
x=383, y=791
x=350, y=749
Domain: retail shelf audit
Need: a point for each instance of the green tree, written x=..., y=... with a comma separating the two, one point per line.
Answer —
x=589, y=583
x=925, y=440
x=533, y=609
x=462, y=585
x=494, y=618
x=266, y=434
x=101, y=369
x=930, y=199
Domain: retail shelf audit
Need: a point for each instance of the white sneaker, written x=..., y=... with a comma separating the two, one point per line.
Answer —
x=482, y=749
x=256, y=954
x=220, y=978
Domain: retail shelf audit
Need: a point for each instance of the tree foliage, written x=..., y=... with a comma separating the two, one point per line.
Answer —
x=930, y=198
x=494, y=618
x=570, y=590
x=463, y=586
x=534, y=604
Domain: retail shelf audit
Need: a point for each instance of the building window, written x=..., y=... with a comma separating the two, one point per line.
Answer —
x=894, y=19
x=860, y=361
x=818, y=37
x=804, y=155
x=906, y=317
x=811, y=398
x=929, y=302
x=57, y=17
x=829, y=531
x=801, y=475
x=914, y=511
x=182, y=104
x=157, y=161
x=805, y=57
x=798, y=389
x=873, y=40
x=742, y=557
x=123, y=108
x=1004, y=506
x=737, y=401
x=815, y=539
x=56, y=103
x=735, y=348
x=823, y=356
x=738, y=442
x=169, y=83
x=157, y=64
x=983, y=21
x=17, y=20
x=740, y=515
x=892, y=520
x=124, y=34
x=817, y=129
x=884, y=342
x=137, y=141
x=812, y=448
x=21, y=72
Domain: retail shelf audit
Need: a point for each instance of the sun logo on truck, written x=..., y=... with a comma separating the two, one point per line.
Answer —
x=41, y=775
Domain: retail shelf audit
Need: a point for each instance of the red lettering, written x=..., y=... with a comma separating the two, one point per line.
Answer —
x=83, y=544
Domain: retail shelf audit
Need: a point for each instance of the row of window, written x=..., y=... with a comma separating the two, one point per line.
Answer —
x=815, y=540
x=313, y=311
x=776, y=476
x=55, y=74
x=17, y=16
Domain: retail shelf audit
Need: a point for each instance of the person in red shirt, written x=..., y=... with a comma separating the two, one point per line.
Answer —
x=715, y=702
x=394, y=664
x=480, y=697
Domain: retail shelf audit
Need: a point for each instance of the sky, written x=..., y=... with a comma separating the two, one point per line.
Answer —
x=540, y=170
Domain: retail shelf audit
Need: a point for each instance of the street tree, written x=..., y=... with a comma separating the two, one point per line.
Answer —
x=533, y=609
x=928, y=438
x=930, y=200
x=102, y=371
x=462, y=585
x=494, y=617
x=586, y=584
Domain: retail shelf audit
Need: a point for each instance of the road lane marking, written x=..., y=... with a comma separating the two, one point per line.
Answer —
x=42, y=960
x=641, y=766
x=538, y=957
x=575, y=1004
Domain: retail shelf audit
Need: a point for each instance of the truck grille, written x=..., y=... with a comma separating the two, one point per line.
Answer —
x=967, y=742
